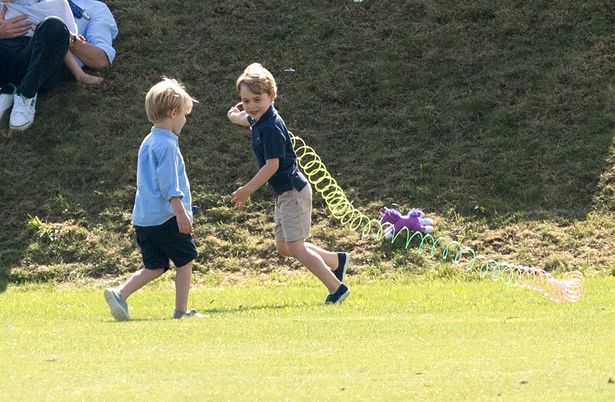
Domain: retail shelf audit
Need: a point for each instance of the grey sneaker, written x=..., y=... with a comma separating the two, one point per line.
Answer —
x=340, y=294
x=342, y=264
x=22, y=115
x=117, y=305
x=190, y=313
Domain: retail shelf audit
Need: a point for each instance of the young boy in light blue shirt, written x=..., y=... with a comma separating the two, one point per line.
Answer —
x=162, y=213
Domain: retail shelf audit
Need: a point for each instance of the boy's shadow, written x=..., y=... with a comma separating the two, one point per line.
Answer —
x=258, y=307
x=217, y=311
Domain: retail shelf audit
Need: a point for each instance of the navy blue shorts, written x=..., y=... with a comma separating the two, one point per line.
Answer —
x=162, y=243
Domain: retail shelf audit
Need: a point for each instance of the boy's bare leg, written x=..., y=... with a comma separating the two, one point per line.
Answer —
x=313, y=262
x=78, y=73
x=139, y=279
x=183, y=278
x=89, y=79
x=329, y=257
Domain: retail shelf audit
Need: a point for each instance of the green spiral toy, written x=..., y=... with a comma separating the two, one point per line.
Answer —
x=567, y=289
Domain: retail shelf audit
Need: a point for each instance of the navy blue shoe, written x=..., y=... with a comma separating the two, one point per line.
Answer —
x=340, y=294
x=342, y=264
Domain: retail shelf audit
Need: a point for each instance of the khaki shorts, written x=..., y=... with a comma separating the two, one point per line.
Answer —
x=293, y=215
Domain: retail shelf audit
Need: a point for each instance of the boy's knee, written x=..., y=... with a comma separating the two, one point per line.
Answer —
x=283, y=250
x=295, y=248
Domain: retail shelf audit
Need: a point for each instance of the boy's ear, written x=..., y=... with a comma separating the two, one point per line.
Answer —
x=273, y=95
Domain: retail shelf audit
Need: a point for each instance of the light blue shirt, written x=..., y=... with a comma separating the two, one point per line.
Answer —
x=161, y=176
x=101, y=29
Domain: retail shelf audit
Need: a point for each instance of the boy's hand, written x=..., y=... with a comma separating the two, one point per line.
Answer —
x=183, y=223
x=241, y=196
x=183, y=220
x=243, y=193
x=238, y=116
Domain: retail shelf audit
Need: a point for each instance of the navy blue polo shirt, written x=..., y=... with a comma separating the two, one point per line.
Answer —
x=270, y=140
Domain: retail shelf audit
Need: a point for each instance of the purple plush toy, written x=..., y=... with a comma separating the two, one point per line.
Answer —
x=415, y=221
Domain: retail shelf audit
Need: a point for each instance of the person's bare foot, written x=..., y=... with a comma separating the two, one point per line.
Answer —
x=89, y=79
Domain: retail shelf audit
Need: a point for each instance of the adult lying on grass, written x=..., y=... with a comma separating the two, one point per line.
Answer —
x=39, y=10
x=34, y=64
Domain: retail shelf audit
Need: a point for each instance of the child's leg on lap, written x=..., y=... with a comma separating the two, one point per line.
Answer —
x=78, y=72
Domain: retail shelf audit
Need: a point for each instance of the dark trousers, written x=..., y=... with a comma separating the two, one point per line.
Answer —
x=35, y=64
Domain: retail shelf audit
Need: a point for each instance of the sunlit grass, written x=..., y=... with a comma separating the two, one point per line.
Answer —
x=403, y=339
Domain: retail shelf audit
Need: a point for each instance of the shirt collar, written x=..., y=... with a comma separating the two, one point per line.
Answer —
x=271, y=112
x=165, y=132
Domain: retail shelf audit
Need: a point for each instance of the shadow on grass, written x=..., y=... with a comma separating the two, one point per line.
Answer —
x=222, y=311
x=265, y=307
x=10, y=256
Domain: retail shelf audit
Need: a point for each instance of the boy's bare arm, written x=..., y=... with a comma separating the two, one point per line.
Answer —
x=242, y=194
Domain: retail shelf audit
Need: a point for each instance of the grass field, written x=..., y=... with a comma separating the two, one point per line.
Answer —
x=395, y=339
x=494, y=117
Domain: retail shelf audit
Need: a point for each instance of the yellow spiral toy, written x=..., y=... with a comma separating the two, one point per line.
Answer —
x=568, y=289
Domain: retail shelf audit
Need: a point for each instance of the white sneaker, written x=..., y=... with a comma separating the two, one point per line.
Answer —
x=22, y=115
x=117, y=305
x=6, y=101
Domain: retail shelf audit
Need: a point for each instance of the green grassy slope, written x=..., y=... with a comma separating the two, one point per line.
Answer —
x=496, y=119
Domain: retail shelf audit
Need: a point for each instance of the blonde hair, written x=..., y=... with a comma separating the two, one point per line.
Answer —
x=166, y=96
x=257, y=80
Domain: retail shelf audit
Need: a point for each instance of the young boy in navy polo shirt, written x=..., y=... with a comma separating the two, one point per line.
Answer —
x=278, y=166
x=162, y=214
